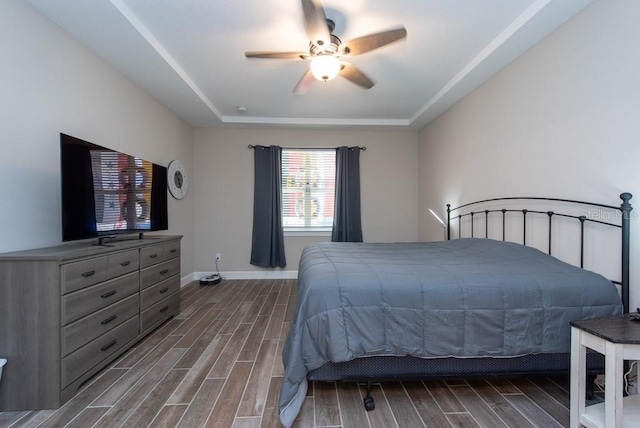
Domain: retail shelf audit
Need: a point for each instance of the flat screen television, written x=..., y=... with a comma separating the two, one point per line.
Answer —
x=106, y=192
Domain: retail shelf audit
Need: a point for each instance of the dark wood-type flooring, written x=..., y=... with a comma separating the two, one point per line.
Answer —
x=219, y=364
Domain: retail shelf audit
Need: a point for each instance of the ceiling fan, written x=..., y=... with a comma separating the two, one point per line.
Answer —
x=326, y=50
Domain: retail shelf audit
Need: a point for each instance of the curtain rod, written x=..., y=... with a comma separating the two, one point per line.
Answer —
x=305, y=148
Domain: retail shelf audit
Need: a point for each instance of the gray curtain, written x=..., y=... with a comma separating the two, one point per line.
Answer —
x=347, y=226
x=267, y=244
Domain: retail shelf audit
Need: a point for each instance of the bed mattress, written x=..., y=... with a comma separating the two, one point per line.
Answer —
x=463, y=298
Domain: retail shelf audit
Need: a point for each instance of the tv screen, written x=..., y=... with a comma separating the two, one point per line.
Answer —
x=106, y=192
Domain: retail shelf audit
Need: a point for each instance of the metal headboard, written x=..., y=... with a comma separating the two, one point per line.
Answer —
x=624, y=208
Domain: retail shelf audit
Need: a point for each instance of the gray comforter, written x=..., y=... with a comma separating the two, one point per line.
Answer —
x=462, y=298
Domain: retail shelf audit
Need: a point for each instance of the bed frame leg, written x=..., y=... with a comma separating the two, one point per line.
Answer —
x=591, y=382
x=369, y=403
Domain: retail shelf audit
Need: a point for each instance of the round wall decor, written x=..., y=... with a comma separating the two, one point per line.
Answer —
x=177, y=178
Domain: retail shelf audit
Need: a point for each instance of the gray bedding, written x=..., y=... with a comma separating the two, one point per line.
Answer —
x=462, y=298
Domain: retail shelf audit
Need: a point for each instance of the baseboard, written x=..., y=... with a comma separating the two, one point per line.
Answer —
x=186, y=280
x=280, y=274
x=255, y=274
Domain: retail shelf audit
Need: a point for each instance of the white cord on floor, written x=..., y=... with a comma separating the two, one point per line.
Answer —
x=626, y=375
x=217, y=270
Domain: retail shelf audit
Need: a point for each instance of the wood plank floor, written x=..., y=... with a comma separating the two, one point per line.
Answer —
x=218, y=364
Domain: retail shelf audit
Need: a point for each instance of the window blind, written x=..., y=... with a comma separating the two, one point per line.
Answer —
x=308, y=189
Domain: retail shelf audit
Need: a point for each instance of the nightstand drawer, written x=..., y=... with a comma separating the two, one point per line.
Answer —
x=159, y=291
x=83, y=274
x=160, y=311
x=88, y=300
x=154, y=274
x=123, y=263
x=82, y=360
x=84, y=330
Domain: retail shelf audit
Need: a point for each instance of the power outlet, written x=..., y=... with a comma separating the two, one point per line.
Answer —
x=218, y=256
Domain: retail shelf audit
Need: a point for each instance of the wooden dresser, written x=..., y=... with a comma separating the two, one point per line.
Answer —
x=68, y=311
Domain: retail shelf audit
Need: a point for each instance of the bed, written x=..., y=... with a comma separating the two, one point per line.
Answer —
x=463, y=307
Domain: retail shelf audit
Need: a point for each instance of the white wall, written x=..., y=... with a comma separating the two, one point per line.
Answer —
x=52, y=84
x=224, y=189
x=561, y=120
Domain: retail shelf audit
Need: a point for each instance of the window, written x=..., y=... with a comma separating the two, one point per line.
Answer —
x=308, y=189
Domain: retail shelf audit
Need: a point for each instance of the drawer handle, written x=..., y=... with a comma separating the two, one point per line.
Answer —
x=125, y=263
x=173, y=250
x=164, y=271
x=153, y=256
x=164, y=309
x=108, y=294
x=164, y=290
x=109, y=345
x=108, y=320
x=88, y=274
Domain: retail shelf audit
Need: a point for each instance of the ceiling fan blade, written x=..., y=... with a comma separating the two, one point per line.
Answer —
x=304, y=84
x=353, y=74
x=374, y=41
x=276, y=55
x=316, y=23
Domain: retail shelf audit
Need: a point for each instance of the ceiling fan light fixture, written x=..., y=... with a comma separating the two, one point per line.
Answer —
x=325, y=67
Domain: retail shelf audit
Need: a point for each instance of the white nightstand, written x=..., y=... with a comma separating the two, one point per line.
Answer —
x=618, y=339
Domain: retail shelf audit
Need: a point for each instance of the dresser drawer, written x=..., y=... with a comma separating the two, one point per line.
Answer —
x=161, y=311
x=154, y=274
x=151, y=255
x=159, y=291
x=86, y=329
x=83, y=274
x=79, y=362
x=123, y=263
x=171, y=250
x=88, y=300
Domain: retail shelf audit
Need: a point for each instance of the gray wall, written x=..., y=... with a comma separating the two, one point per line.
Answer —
x=223, y=187
x=52, y=84
x=561, y=120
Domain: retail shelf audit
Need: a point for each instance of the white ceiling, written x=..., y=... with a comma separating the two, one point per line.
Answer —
x=189, y=54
